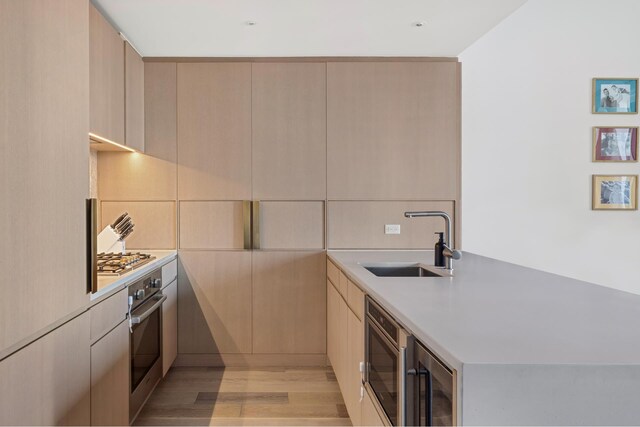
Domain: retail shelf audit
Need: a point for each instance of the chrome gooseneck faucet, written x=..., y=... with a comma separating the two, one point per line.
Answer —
x=449, y=253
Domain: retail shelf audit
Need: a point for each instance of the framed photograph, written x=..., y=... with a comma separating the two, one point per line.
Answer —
x=615, y=144
x=615, y=192
x=617, y=96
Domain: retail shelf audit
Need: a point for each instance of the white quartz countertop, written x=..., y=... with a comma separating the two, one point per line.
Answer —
x=108, y=285
x=493, y=312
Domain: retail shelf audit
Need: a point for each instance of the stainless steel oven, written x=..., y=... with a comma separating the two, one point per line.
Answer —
x=384, y=358
x=145, y=348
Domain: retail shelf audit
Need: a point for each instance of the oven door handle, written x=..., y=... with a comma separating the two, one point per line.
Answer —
x=134, y=320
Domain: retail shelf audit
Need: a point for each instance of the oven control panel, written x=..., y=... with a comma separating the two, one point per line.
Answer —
x=383, y=320
x=143, y=289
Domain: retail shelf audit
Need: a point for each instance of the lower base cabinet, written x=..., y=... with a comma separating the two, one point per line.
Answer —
x=47, y=382
x=370, y=416
x=169, y=326
x=110, y=378
x=345, y=342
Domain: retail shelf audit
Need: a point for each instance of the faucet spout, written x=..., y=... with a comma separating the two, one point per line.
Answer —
x=449, y=253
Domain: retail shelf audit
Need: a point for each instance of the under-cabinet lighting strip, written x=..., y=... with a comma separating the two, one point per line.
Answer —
x=108, y=141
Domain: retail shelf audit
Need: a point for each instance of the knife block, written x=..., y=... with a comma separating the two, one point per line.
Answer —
x=109, y=241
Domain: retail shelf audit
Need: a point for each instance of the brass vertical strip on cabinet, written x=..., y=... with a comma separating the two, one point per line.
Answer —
x=246, y=223
x=255, y=211
x=92, y=245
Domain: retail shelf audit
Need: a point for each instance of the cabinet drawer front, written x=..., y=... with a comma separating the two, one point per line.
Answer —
x=355, y=298
x=169, y=273
x=343, y=285
x=107, y=314
x=333, y=273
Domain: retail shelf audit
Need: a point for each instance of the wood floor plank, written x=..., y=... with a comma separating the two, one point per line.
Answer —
x=243, y=422
x=314, y=398
x=243, y=397
x=293, y=411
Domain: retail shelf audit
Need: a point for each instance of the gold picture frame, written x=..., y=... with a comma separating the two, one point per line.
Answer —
x=620, y=148
x=615, y=192
x=614, y=95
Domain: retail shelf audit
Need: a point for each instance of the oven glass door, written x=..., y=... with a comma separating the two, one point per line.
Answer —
x=435, y=391
x=383, y=371
x=145, y=344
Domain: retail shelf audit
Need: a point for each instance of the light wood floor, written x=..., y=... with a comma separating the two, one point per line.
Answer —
x=239, y=396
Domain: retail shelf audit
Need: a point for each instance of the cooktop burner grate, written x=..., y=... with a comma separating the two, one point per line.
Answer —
x=116, y=264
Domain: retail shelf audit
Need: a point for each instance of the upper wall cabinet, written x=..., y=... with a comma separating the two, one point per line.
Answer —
x=107, y=88
x=134, y=98
x=160, y=110
x=289, y=131
x=214, y=131
x=393, y=130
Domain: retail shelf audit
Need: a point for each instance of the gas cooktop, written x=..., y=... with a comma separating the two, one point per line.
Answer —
x=116, y=264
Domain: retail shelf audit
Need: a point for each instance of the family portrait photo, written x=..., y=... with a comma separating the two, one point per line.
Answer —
x=615, y=144
x=615, y=95
x=615, y=192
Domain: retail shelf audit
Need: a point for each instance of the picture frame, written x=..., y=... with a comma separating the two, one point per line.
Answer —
x=615, y=192
x=615, y=144
x=615, y=96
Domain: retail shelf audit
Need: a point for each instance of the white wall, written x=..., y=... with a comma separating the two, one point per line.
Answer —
x=527, y=123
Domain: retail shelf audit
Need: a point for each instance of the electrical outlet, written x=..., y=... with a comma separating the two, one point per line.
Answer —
x=392, y=229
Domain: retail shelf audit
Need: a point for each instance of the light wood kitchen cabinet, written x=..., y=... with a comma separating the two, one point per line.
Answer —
x=160, y=110
x=345, y=341
x=355, y=355
x=393, y=130
x=214, y=131
x=134, y=98
x=214, y=302
x=110, y=378
x=107, y=83
x=289, y=307
x=169, y=326
x=370, y=415
x=333, y=306
x=44, y=173
x=48, y=382
x=289, y=131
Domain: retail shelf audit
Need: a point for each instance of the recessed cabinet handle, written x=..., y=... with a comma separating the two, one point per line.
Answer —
x=255, y=224
x=246, y=223
x=92, y=245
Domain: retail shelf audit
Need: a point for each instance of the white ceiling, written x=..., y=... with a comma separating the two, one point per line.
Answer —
x=304, y=27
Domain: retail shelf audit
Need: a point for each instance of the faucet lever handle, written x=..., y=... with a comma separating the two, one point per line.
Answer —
x=451, y=253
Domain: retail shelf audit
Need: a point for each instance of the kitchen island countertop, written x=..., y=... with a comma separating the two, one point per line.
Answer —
x=524, y=340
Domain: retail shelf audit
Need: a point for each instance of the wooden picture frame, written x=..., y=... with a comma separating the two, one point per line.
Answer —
x=612, y=95
x=615, y=144
x=615, y=192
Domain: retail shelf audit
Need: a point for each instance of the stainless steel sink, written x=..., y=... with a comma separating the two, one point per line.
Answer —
x=401, y=271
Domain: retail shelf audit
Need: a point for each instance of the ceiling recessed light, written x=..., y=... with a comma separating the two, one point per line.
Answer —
x=418, y=24
x=251, y=23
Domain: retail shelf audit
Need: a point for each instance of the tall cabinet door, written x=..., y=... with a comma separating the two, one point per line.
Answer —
x=289, y=302
x=214, y=302
x=44, y=169
x=214, y=131
x=392, y=125
x=289, y=131
x=107, y=79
